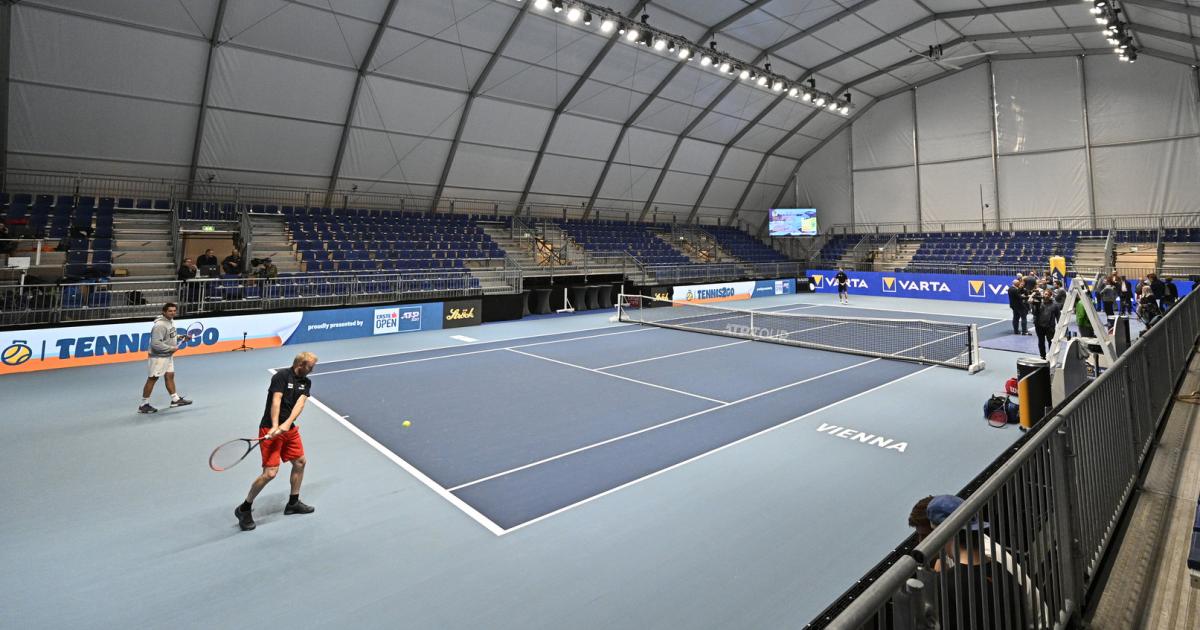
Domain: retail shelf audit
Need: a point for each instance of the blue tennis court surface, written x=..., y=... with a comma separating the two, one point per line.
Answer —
x=610, y=407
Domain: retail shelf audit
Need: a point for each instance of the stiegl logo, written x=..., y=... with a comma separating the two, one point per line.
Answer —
x=461, y=313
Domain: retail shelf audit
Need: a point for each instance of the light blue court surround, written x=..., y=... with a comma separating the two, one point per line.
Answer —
x=112, y=519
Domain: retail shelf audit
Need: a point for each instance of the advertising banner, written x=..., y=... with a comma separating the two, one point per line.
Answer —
x=52, y=348
x=932, y=286
x=727, y=291
x=461, y=313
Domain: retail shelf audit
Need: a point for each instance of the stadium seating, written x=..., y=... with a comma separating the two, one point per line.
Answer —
x=361, y=240
x=636, y=239
x=743, y=246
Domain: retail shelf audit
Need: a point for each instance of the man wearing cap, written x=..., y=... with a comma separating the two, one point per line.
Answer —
x=961, y=569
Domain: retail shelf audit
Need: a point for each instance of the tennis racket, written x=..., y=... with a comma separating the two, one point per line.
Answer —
x=194, y=331
x=998, y=419
x=232, y=453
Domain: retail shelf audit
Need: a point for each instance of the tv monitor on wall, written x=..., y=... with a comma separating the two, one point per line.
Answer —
x=793, y=222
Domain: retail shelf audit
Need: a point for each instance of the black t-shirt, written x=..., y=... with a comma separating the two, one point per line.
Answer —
x=842, y=280
x=231, y=265
x=205, y=259
x=292, y=387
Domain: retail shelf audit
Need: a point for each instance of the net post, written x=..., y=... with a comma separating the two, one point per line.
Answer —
x=974, y=360
x=752, y=333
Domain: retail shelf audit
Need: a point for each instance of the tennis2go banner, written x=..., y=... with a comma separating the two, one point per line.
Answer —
x=52, y=348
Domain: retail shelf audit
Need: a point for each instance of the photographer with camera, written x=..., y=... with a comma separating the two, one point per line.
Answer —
x=1045, y=310
x=264, y=268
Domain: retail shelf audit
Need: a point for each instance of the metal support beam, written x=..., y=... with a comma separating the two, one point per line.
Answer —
x=5, y=45
x=916, y=156
x=863, y=110
x=358, y=81
x=743, y=12
x=836, y=17
x=566, y=101
x=214, y=41
x=995, y=116
x=1166, y=6
x=475, y=90
x=1087, y=137
x=1165, y=34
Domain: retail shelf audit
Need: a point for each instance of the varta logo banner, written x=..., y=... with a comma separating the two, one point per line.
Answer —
x=938, y=286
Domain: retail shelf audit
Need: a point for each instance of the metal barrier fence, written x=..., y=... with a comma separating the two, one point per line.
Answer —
x=719, y=272
x=962, y=269
x=1025, y=548
x=1124, y=222
x=31, y=305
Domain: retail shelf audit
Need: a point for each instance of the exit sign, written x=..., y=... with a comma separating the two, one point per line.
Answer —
x=208, y=228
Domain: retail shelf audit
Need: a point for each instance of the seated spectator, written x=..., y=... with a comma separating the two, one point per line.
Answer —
x=206, y=259
x=232, y=265
x=187, y=271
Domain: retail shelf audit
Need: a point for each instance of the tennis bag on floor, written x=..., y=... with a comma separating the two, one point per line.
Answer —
x=1000, y=410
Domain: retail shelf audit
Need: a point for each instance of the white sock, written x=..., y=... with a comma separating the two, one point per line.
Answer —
x=174, y=396
x=145, y=401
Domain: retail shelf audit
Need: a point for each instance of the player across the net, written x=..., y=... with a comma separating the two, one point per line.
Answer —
x=938, y=343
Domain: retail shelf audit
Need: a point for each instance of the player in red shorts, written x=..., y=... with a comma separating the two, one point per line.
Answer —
x=286, y=396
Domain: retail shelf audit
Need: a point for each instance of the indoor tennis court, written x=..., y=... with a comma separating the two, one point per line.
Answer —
x=609, y=457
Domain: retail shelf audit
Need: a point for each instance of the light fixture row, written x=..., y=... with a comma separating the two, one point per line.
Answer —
x=641, y=33
x=1117, y=32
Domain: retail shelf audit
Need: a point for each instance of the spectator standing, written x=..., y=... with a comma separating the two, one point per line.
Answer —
x=1107, y=293
x=1126, y=293
x=1017, y=303
x=1030, y=281
x=1171, y=293
x=1159, y=289
x=1045, y=319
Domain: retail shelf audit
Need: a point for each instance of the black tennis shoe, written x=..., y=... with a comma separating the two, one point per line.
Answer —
x=299, y=507
x=180, y=402
x=245, y=520
x=147, y=408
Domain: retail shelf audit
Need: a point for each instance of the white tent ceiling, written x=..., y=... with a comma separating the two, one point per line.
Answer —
x=493, y=99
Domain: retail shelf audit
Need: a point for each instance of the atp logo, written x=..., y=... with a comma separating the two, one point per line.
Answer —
x=889, y=285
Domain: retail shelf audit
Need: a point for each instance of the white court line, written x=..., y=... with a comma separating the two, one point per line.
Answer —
x=657, y=426
x=402, y=352
x=677, y=354
x=624, y=378
x=410, y=469
x=707, y=453
x=893, y=310
x=470, y=352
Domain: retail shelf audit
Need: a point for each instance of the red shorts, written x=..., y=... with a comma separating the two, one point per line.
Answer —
x=285, y=446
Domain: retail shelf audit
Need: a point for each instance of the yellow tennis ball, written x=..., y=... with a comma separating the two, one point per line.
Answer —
x=16, y=354
x=406, y=423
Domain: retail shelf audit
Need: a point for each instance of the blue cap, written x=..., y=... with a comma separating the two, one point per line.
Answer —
x=942, y=506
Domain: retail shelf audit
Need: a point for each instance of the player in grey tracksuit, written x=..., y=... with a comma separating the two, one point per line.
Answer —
x=164, y=343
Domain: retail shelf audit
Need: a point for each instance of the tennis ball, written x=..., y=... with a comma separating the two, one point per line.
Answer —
x=406, y=423
x=16, y=354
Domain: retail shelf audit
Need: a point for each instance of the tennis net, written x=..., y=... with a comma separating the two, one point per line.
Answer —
x=939, y=343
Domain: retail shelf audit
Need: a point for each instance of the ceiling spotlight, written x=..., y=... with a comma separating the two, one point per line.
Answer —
x=558, y=6
x=844, y=110
x=541, y=5
x=632, y=34
x=620, y=29
x=644, y=40
x=684, y=53
x=725, y=67
x=706, y=60
x=820, y=102
x=744, y=74
x=587, y=19
x=671, y=46
x=833, y=106
x=794, y=92
x=806, y=97
x=660, y=44
x=573, y=14
x=761, y=80
x=777, y=86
